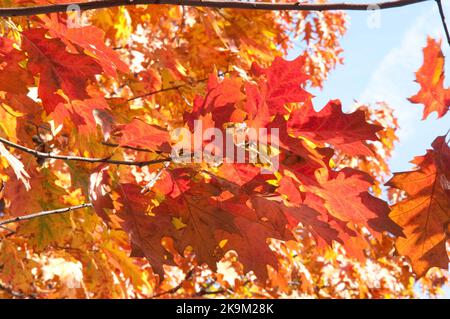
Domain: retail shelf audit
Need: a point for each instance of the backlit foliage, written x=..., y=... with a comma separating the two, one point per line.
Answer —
x=115, y=85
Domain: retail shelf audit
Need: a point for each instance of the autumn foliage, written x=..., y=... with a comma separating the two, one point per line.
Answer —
x=88, y=113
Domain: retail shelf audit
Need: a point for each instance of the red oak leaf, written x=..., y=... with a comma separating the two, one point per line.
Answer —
x=425, y=212
x=137, y=133
x=346, y=132
x=146, y=231
x=273, y=209
x=91, y=39
x=347, y=197
x=13, y=78
x=353, y=243
x=81, y=113
x=290, y=188
x=188, y=216
x=284, y=83
x=238, y=173
x=219, y=100
x=254, y=227
x=430, y=77
x=296, y=154
x=258, y=112
x=58, y=69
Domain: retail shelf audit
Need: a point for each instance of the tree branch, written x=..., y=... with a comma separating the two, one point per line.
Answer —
x=38, y=154
x=26, y=11
x=444, y=24
x=44, y=213
x=187, y=277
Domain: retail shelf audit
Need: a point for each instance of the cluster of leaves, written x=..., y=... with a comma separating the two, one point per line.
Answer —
x=117, y=88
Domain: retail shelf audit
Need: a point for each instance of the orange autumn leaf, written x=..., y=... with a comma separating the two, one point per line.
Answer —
x=430, y=77
x=91, y=39
x=58, y=69
x=424, y=214
x=13, y=78
x=88, y=102
x=137, y=133
x=348, y=132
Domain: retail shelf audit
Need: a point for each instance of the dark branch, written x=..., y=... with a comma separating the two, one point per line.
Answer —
x=26, y=11
x=444, y=24
x=38, y=154
x=45, y=213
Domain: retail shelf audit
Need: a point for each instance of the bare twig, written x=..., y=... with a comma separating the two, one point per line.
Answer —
x=138, y=149
x=44, y=213
x=38, y=154
x=177, y=287
x=175, y=87
x=444, y=24
x=7, y=229
x=156, y=92
x=27, y=11
x=153, y=181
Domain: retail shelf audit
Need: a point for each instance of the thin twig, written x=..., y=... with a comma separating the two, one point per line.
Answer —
x=156, y=92
x=138, y=149
x=98, y=4
x=147, y=188
x=44, y=213
x=176, y=288
x=38, y=154
x=444, y=24
x=176, y=87
x=7, y=229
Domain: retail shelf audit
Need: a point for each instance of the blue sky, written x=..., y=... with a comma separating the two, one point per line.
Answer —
x=379, y=65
